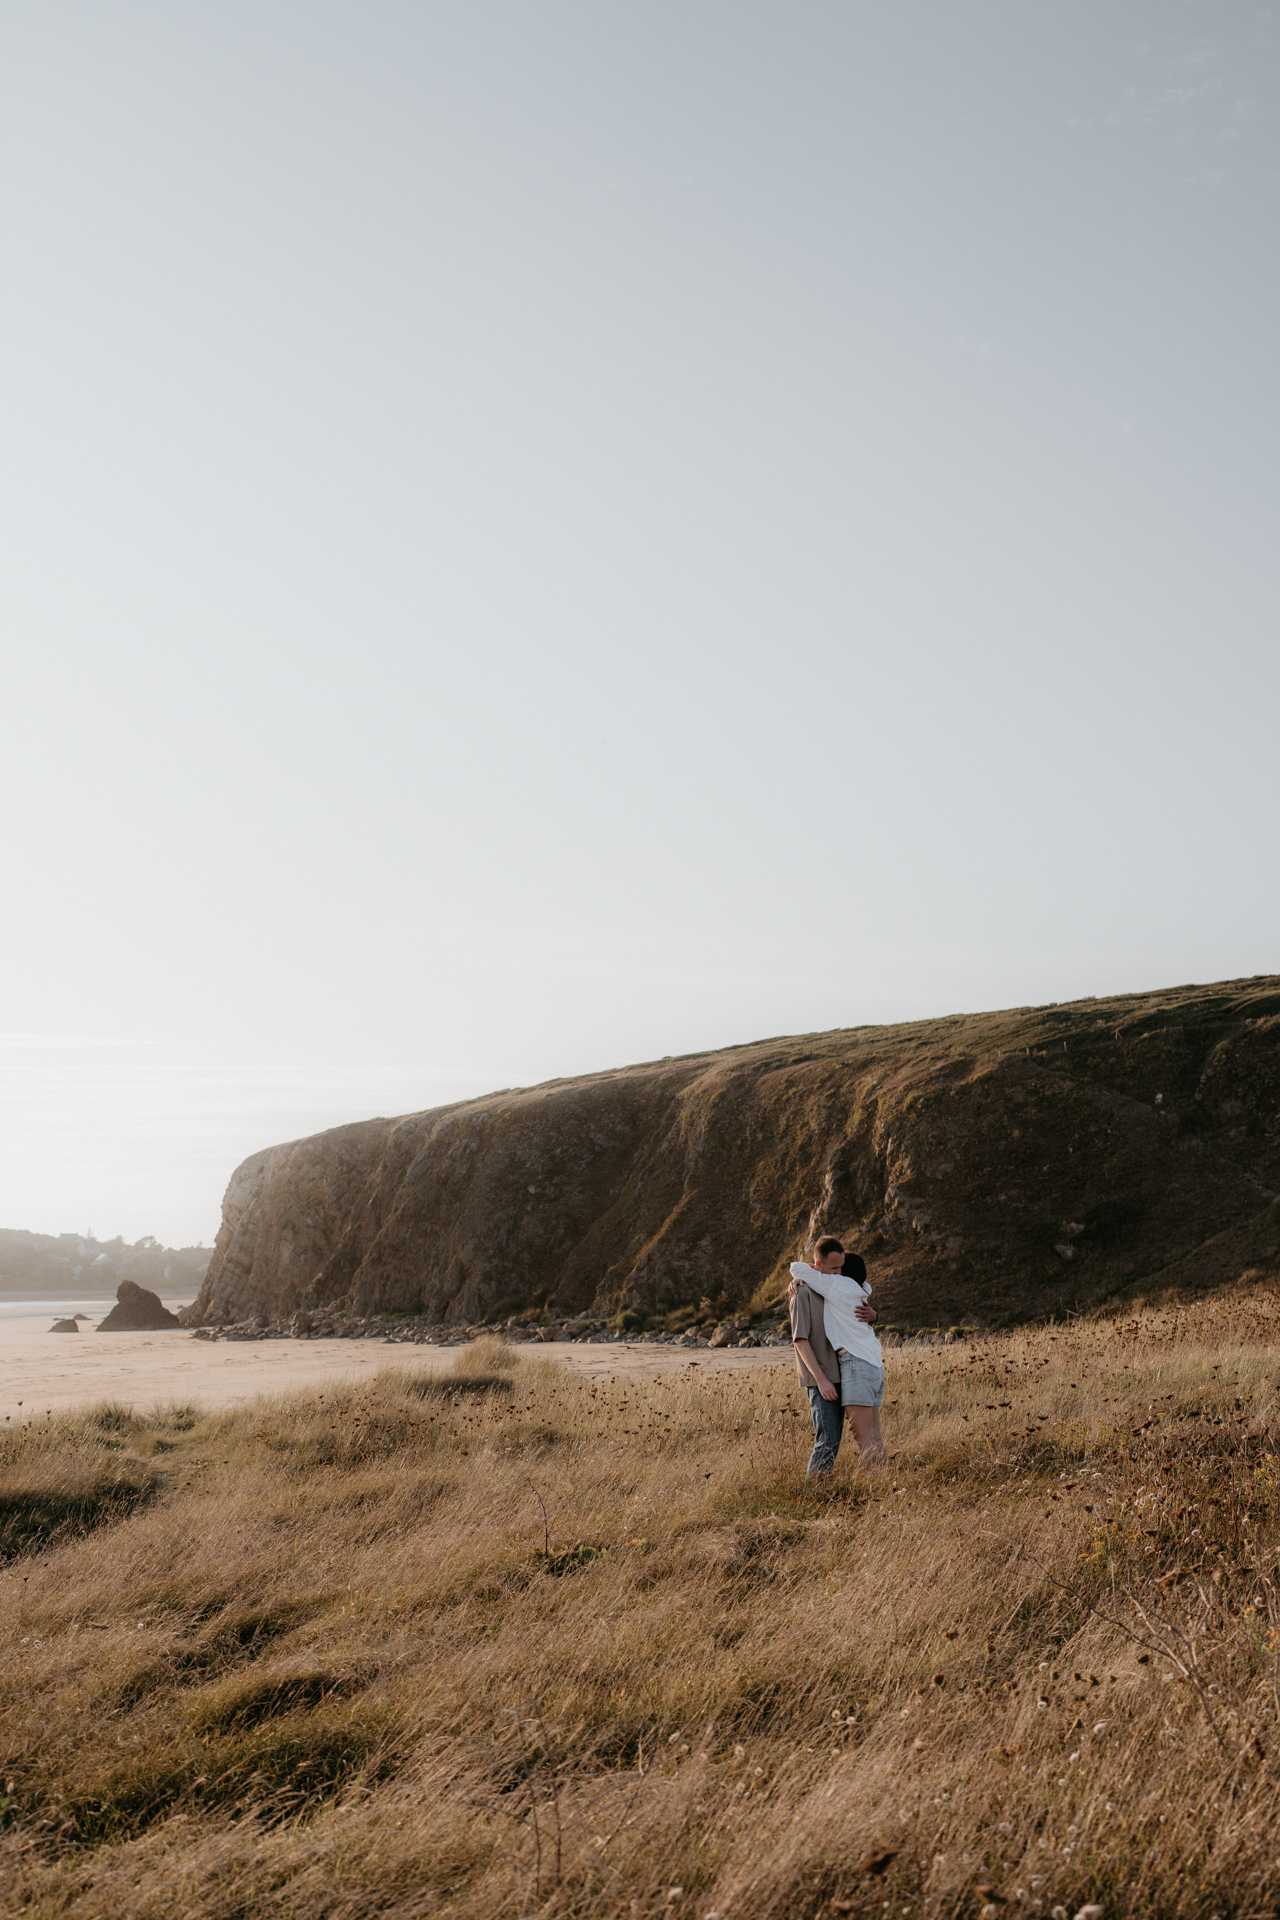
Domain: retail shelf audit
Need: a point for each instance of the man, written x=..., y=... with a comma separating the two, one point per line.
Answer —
x=846, y=1322
x=817, y=1362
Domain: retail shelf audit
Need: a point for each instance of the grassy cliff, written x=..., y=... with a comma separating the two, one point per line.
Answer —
x=991, y=1167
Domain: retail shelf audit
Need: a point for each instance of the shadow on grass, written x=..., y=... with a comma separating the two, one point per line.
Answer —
x=251, y=1703
x=428, y=1386
x=780, y=1493
x=48, y=1502
x=232, y=1640
x=281, y=1772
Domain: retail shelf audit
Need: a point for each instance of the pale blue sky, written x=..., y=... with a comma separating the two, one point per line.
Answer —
x=537, y=536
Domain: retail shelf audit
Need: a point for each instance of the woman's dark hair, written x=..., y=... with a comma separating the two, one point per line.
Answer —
x=854, y=1267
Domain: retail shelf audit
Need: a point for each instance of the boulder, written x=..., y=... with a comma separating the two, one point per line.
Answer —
x=64, y=1326
x=137, y=1310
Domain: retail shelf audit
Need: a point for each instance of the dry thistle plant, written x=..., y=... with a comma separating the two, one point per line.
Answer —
x=505, y=1640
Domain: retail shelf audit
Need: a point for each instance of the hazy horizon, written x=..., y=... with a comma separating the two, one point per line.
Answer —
x=537, y=539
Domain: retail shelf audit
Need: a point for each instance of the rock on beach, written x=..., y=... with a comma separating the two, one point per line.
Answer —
x=137, y=1310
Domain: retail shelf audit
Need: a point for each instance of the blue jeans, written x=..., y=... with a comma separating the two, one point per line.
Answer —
x=828, y=1425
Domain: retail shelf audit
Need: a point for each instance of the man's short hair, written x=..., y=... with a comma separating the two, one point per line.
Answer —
x=828, y=1244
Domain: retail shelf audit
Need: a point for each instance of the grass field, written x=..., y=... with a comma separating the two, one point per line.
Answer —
x=509, y=1642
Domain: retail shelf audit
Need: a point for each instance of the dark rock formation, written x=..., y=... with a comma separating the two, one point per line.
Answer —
x=65, y=1326
x=137, y=1310
x=989, y=1167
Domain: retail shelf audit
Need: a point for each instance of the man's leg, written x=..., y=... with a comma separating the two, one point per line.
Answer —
x=827, y=1428
x=865, y=1422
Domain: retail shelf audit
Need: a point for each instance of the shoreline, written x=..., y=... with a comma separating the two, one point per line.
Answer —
x=42, y=1372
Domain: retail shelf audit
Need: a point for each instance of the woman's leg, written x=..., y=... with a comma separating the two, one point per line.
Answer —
x=865, y=1422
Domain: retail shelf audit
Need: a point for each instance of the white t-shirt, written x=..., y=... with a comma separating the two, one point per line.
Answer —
x=839, y=1298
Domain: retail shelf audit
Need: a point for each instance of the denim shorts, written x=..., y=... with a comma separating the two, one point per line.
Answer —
x=861, y=1382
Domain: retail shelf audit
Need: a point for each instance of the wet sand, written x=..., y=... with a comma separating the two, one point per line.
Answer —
x=40, y=1371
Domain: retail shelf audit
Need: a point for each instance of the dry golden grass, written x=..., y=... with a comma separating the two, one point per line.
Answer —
x=506, y=1641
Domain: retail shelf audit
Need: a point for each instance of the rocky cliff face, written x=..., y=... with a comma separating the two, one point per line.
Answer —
x=989, y=1166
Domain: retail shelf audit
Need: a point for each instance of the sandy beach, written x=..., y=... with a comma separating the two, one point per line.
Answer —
x=41, y=1370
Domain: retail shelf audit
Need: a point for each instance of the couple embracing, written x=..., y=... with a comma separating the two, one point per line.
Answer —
x=838, y=1357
